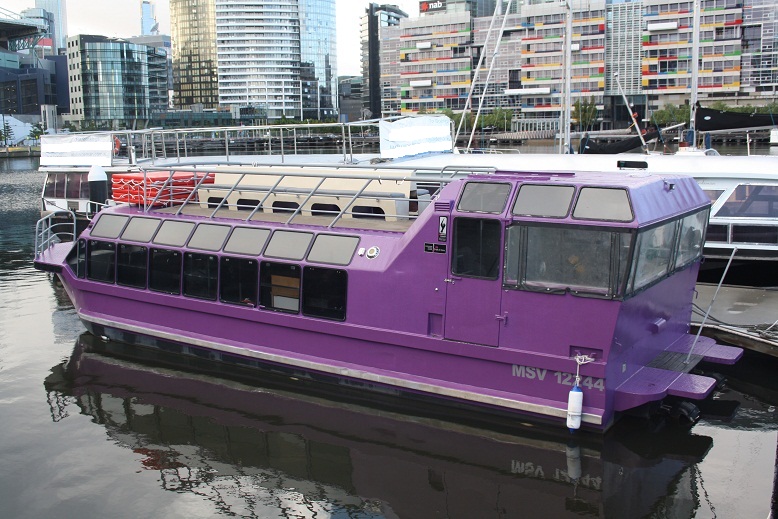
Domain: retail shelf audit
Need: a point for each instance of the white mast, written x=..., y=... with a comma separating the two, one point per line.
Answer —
x=695, y=68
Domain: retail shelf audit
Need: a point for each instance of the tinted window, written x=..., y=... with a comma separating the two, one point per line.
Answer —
x=76, y=259
x=165, y=271
x=288, y=245
x=549, y=201
x=477, y=247
x=201, y=275
x=140, y=229
x=245, y=240
x=109, y=226
x=336, y=250
x=596, y=203
x=755, y=234
x=324, y=293
x=239, y=279
x=484, y=197
x=101, y=261
x=209, y=237
x=173, y=233
x=280, y=286
x=132, y=264
x=751, y=201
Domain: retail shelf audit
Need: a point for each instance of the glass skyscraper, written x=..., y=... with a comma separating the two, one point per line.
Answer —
x=193, y=33
x=278, y=54
x=115, y=83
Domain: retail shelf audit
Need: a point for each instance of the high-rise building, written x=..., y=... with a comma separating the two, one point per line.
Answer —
x=46, y=45
x=280, y=54
x=376, y=17
x=148, y=21
x=59, y=28
x=193, y=34
x=115, y=83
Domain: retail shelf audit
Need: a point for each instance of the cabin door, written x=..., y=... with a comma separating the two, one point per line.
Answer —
x=474, y=287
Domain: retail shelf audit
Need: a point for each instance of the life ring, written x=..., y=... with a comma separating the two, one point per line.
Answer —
x=117, y=145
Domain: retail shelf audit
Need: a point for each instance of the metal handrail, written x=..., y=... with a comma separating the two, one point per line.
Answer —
x=47, y=231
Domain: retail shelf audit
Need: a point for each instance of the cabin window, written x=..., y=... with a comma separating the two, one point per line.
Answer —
x=713, y=194
x=201, y=275
x=597, y=203
x=209, y=237
x=280, y=286
x=560, y=258
x=690, y=238
x=324, y=293
x=76, y=259
x=77, y=185
x=55, y=185
x=140, y=229
x=484, y=197
x=173, y=233
x=239, y=280
x=477, y=244
x=247, y=240
x=653, y=254
x=132, y=264
x=101, y=261
x=755, y=234
x=165, y=271
x=324, y=210
x=367, y=211
x=335, y=250
x=109, y=226
x=247, y=204
x=289, y=245
x=545, y=201
x=751, y=201
x=285, y=207
x=717, y=233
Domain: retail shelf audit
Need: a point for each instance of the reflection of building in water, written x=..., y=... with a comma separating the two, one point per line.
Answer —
x=255, y=452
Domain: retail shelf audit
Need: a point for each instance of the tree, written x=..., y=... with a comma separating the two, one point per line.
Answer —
x=671, y=114
x=7, y=133
x=36, y=131
x=584, y=113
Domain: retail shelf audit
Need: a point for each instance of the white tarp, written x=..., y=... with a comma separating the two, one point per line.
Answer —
x=91, y=149
x=415, y=135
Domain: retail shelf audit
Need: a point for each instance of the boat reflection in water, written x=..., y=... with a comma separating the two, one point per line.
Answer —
x=247, y=448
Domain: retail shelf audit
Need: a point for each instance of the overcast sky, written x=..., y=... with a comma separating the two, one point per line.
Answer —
x=121, y=18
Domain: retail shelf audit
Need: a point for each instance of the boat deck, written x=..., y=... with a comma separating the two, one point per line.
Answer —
x=366, y=223
x=744, y=316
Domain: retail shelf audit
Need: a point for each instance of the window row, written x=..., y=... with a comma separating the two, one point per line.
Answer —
x=316, y=291
x=252, y=241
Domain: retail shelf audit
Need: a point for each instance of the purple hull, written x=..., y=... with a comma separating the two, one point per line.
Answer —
x=489, y=298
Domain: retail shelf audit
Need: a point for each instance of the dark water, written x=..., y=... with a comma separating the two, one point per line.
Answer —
x=89, y=430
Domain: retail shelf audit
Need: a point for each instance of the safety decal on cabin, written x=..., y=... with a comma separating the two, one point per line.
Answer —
x=443, y=228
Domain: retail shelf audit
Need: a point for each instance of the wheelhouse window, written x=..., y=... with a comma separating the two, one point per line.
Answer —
x=201, y=275
x=101, y=261
x=690, y=239
x=751, y=201
x=165, y=271
x=280, y=286
x=289, y=245
x=562, y=258
x=653, y=254
x=477, y=244
x=173, y=233
x=324, y=293
x=484, y=197
x=544, y=200
x=239, y=281
x=132, y=265
x=604, y=204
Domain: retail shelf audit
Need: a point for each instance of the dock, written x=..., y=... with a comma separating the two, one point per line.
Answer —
x=743, y=316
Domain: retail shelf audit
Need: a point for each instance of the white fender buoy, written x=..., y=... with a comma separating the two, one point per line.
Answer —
x=574, y=408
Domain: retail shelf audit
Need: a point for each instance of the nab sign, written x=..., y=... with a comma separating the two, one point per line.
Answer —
x=432, y=7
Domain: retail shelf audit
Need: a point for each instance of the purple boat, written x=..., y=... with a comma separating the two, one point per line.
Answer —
x=563, y=298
